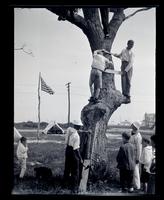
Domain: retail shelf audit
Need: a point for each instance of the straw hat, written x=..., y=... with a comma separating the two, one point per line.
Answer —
x=77, y=122
x=136, y=125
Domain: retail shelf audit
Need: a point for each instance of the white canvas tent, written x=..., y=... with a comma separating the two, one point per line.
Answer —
x=50, y=125
x=17, y=135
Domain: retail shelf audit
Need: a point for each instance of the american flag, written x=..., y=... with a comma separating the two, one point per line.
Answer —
x=45, y=87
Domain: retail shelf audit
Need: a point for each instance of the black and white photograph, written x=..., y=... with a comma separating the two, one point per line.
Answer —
x=84, y=100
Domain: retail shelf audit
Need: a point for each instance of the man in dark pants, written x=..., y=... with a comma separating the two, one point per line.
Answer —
x=72, y=157
x=126, y=162
x=126, y=57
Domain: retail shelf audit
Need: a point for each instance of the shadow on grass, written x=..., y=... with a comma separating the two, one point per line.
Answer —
x=30, y=185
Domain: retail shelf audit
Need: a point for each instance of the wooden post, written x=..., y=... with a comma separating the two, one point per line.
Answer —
x=86, y=166
x=87, y=161
x=68, y=86
x=38, y=130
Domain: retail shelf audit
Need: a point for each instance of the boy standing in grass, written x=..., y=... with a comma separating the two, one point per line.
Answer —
x=126, y=162
x=145, y=160
x=22, y=155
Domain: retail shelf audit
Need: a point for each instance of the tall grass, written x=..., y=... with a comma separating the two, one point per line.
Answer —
x=103, y=178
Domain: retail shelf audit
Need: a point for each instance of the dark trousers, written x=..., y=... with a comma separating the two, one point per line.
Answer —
x=126, y=178
x=104, y=18
x=71, y=171
x=126, y=79
x=151, y=184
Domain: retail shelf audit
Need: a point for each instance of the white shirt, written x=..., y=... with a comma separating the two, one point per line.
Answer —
x=99, y=61
x=136, y=140
x=72, y=138
x=21, y=151
x=146, y=157
x=127, y=55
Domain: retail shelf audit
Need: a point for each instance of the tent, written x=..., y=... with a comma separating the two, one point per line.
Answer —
x=53, y=128
x=17, y=135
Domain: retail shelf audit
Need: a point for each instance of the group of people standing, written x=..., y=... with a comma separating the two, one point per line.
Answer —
x=136, y=161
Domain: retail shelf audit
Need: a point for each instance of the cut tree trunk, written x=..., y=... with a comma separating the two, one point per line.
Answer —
x=95, y=117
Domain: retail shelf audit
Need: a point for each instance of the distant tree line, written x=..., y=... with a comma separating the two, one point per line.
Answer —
x=34, y=125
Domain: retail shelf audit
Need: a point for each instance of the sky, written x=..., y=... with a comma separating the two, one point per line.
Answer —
x=61, y=52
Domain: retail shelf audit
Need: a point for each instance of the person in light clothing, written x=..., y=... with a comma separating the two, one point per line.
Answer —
x=136, y=140
x=145, y=160
x=22, y=155
x=100, y=63
x=127, y=58
x=72, y=157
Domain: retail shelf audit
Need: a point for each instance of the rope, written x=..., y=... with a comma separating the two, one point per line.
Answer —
x=112, y=71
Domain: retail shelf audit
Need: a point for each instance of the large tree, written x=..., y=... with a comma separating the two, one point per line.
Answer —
x=96, y=116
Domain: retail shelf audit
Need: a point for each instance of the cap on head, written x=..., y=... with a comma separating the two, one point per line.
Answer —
x=136, y=125
x=130, y=42
x=77, y=123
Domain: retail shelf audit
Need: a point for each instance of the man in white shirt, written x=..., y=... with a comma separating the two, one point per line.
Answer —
x=136, y=140
x=72, y=157
x=127, y=58
x=22, y=155
x=100, y=63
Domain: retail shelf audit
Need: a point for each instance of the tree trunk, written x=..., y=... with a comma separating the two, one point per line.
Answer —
x=96, y=116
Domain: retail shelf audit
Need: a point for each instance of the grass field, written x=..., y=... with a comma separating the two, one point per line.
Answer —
x=50, y=152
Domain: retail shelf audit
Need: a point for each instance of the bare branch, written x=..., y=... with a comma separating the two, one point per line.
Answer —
x=22, y=48
x=140, y=10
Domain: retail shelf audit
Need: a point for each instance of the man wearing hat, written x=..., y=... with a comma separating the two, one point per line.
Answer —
x=136, y=140
x=72, y=156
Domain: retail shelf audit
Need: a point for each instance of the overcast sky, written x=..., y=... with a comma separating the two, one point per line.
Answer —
x=62, y=54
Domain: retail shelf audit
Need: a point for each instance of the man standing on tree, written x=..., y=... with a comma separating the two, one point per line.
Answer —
x=100, y=63
x=72, y=157
x=126, y=57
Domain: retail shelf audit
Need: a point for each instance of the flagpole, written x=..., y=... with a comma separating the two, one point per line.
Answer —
x=38, y=106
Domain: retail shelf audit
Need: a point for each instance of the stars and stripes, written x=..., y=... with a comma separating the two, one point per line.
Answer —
x=45, y=87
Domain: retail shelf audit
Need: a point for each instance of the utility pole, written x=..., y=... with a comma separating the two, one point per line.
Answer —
x=68, y=87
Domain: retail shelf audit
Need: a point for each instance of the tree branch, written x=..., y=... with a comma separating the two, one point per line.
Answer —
x=113, y=26
x=22, y=48
x=77, y=20
x=140, y=10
